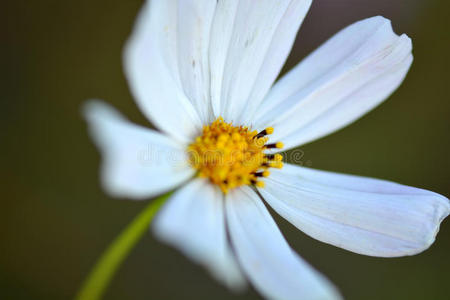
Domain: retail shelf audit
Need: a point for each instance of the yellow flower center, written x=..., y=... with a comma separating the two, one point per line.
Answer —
x=231, y=156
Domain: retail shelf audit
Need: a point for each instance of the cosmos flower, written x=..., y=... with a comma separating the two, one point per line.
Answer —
x=203, y=73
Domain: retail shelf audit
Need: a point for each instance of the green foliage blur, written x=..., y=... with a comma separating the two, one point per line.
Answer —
x=55, y=220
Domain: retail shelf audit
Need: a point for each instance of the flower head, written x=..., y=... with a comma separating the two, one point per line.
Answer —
x=232, y=156
x=203, y=72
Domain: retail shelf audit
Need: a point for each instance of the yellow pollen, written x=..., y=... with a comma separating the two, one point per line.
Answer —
x=232, y=156
x=278, y=157
x=260, y=184
x=279, y=145
x=276, y=164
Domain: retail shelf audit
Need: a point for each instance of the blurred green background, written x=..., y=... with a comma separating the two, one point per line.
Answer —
x=55, y=220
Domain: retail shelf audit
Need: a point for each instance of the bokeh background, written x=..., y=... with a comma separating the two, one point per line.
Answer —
x=55, y=220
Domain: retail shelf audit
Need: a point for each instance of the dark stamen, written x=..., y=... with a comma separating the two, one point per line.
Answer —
x=261, y=134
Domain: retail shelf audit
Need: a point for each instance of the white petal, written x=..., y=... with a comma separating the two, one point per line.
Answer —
x=270, y=264
x=367, y=216
x=193, y=220
x=188, y=58
x=338, y=83
x=137, y=162
x=151, y=66
x=195, y=19
x=250, y=41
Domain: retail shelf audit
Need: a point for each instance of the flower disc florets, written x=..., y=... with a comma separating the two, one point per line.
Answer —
x=231, y=156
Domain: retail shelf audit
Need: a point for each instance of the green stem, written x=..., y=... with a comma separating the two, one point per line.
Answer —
x=98, y=280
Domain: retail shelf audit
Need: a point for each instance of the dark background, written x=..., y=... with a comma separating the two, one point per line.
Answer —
x=55, y=220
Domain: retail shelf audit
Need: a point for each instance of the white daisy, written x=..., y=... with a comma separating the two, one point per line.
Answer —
x=202, y=72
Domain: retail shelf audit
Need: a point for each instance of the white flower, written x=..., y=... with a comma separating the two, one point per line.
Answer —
x=190, y=62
